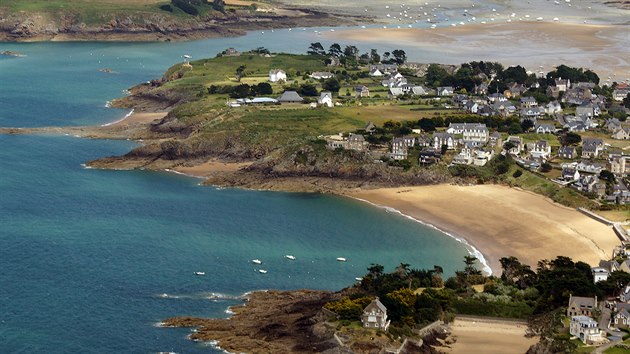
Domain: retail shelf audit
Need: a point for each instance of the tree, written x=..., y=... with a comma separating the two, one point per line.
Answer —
x=626, y=101
x=308, y=90
x=545, y=167
x=332, y=85
x=527, y=124
x=515, y=128
x=435, y=75
x=335, y=50
x=351, y=52
x=316, y=48
x=241, y=91
x=444, y=149
x=570, y=138
x=516, y=74
x=374, y=57
x=375, y=270
x=426, y=124
x=400, y=56
x=508, y=146
x=219, y=5
x=607, y=176
x=263, y=88
x=240, y=72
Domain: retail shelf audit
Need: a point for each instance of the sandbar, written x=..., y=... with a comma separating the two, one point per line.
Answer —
x=500, y=221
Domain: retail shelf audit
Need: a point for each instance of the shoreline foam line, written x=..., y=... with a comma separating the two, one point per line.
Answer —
x=118, y=121
x=472, y=250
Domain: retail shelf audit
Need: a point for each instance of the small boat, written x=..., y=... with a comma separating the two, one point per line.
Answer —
x=288, y=256
x=358, y=278
x=256, y=261
x=262, y=271
x=200, y=273
x=341, y=259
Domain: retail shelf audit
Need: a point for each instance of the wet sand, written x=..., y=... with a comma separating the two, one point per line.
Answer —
x=603, y=48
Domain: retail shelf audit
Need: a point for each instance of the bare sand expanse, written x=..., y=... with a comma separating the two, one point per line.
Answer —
x=500, y=221
x=603, y=48
x=475, y=336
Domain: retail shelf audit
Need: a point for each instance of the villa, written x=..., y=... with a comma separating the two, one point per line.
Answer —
x=276, y=75
x=375, y=315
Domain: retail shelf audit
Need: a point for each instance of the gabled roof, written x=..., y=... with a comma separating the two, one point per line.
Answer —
x=290, y=96
x=376, y=303
x=587, y=302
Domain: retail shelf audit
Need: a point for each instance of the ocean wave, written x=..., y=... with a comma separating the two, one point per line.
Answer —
x=108, y=104
x=118, y=121
x=470, y=248
x=214, y=344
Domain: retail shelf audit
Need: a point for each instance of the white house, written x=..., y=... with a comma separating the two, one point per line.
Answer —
x=318, y=75
x=276, y=75
x=586, y=329
x=445, y=91
x=599, y=274
x=553, y=107
x=325, y=99
x=541, y=149
x=621, y=319
x=541, y=128
x=375, y=315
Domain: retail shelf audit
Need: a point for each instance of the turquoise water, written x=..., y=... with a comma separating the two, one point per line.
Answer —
x=86, y=255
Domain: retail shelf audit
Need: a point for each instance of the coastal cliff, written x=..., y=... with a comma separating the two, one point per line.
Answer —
x=151, y=24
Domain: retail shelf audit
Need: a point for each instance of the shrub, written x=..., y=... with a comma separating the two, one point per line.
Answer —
x=186, y=6
x=517, y=174
x=166, y=7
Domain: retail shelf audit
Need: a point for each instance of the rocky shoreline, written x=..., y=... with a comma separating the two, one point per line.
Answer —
x=35, y=27
x=290, y=322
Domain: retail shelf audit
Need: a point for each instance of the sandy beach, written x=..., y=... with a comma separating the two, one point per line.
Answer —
x=500, y=221
x=474, y=336
x=603, y=48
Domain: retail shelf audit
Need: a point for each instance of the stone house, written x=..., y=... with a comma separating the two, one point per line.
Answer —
x=362, y=91
x=567, y=152
x=375, y=315
x=357, y=142
x=542, y=128
x=581, y=306
x=621, y=319
x=399, y=149
x=447, y=139
x=622, y=134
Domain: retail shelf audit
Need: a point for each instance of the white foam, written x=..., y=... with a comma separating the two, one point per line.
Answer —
x=471, y=249
x=120, y=120
x=182, y=173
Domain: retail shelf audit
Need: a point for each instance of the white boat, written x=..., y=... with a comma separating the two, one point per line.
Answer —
x=358, y=278
x=288, y=256
x=256, y=261
x=262, y=271
x=200, y=273
x=341, y=259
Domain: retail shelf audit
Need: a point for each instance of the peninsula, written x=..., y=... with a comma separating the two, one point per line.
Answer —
x=153, y=20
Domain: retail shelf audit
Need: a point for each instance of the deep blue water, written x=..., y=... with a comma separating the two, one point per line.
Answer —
x=85, y=255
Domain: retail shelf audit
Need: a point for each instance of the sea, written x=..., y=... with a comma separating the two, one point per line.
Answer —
x=92, y=260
